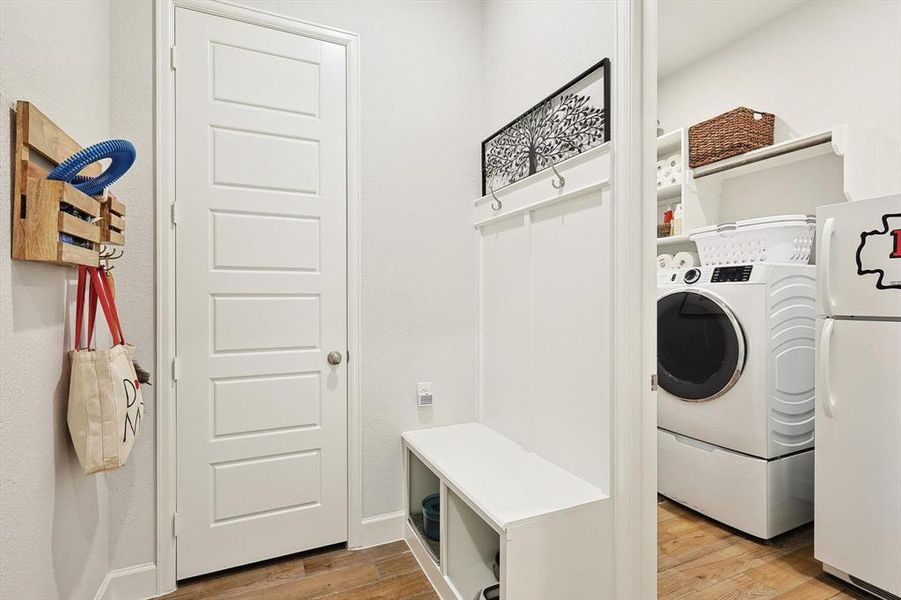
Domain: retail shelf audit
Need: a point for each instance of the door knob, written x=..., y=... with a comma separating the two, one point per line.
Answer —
x=334, y=357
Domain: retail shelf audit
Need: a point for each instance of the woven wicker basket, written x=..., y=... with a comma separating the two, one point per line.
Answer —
x=730, y=134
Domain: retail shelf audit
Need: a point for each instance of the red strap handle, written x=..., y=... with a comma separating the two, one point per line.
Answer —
x=107, y=305
x=104, y=280
x=79, y=305
x=99, y=291
x=92, y=312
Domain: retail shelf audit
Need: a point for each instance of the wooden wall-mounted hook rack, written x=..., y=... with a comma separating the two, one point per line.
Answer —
x=52, y=221
x=112, y=221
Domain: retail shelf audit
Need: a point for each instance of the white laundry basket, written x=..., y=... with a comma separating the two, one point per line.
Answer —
x=781, y=239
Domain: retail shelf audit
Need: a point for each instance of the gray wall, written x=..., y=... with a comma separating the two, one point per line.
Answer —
x=55, y=521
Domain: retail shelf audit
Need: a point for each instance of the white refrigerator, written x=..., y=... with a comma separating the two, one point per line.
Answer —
x=857, y=498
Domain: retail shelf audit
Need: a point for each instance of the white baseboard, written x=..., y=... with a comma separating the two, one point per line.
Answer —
x=383, y=529
x=132, y=583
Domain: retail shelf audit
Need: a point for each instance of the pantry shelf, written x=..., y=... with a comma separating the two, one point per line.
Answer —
x=669, y=192
x=868, y=161
x=673, y=240
x=669, y=143
x=696, y=211
x=769, y=157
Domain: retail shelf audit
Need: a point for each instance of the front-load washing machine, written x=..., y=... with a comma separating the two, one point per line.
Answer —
x=735, y=366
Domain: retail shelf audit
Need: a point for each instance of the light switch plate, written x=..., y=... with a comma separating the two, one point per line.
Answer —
x=424, y=395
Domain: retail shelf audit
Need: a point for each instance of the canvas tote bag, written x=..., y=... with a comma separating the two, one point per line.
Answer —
x=106, y=408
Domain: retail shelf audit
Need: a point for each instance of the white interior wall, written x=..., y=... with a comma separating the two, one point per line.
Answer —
x=56, y=522
x=531, y=48
x=821, y=64
x=64, y=531
x=133, y=489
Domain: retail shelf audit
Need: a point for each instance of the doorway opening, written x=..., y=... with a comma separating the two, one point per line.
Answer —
x=748, y=147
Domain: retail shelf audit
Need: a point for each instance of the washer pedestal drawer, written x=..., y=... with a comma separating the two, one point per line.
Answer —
x=760, y=497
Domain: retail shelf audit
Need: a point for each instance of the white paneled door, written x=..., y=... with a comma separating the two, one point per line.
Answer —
x=260, y=293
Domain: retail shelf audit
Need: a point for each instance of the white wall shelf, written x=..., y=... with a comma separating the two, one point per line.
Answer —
x=860, y=163
x=584, y=173
x=669, y=143
x=673, y=240
x=668, y=192
x=769, y=157
x=794, y=176
x=491, y=489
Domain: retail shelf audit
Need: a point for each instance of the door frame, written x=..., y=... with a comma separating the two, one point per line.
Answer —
x=164, y=180
x=634, y=298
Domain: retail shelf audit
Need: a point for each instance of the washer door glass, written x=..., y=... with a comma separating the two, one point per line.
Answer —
x=700, y=346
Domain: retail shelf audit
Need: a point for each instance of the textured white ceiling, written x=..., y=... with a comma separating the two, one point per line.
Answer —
x=691, y=29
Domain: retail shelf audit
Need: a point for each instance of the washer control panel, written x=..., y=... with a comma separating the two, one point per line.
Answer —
x=729, y=274
x=709, y=275
x=759, y=273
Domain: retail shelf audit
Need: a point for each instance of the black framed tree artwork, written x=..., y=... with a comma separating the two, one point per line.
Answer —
x=573, y=119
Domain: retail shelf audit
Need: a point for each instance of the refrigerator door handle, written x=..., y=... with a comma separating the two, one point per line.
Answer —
x=825, y=350
x=825, y=275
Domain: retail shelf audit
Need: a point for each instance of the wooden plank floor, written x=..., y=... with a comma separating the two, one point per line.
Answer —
x=697, y=558
x=386, y=572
